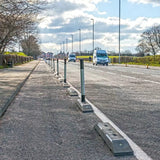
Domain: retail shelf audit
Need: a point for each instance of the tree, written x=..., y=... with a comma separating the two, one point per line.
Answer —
x=141, y=49
x=150, y=41
x=30, y=46
x=155, y=31
x=16, y=18
x=127, y=53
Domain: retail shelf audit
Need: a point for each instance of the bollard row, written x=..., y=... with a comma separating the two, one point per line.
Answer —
x=116, y=143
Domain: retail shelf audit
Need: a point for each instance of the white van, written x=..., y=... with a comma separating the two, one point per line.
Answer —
x=72, y=58
x=100, y=57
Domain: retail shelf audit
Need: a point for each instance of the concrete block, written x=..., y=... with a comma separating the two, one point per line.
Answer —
x=84, y=106
x=57, y=76
x=117, y=144
x=72, y=92
x=65, y=85
x=61, y=80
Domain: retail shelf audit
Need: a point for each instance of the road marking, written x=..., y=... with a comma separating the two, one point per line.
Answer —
x=111, y=73
x=152, y=81
x=137, y=73
x=128, y=77
x=138, y=152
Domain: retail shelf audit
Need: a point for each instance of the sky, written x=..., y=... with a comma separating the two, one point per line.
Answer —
x=63, y=18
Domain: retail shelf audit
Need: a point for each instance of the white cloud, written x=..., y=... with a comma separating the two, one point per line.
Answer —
x=153, y=2
x=60, y=23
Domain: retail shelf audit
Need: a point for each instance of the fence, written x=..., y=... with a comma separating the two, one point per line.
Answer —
x=13, y=59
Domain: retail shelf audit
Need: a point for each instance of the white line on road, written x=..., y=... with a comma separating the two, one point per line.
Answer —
x=128, y=77
x=152, y=81
x=111, y=73
x=138, y=152
x=137, y=73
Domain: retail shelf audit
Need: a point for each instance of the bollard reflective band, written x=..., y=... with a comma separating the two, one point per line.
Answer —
x=57, y=68
x=65, y=70
x=53, y=65
x=82, y=80
x=81, y=64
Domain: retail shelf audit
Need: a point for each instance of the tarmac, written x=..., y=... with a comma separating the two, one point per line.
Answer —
x=11, y=81
x=43, y=122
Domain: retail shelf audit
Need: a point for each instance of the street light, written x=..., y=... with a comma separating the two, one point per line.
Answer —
x=63, y=47
x=72, y=42
x=93, y=33
x=60, y=47
x=66, y=45
x=119, y=31
x=79, y=41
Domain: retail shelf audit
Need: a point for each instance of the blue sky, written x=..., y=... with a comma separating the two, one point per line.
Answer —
x=128, y=9
x=65, y=17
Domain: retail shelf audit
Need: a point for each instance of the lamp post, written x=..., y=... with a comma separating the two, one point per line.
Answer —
x=63, y=47
x=119, y=31
x=79, y=41
x=72, y=42
x=66, y=45
x=60, y=47
x=93, y=33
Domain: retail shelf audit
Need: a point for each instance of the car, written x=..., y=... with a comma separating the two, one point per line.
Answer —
x=100, y=57
x=72, y=58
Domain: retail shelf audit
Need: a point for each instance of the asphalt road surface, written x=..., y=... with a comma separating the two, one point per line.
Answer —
x=129, y=96
x=44, y=123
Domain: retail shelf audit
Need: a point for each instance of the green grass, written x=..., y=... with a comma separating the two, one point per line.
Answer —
x=1, y=67
x=84, y=56
x=113, y=57
x=16, y=53
x=150, y=64
x=147, y=60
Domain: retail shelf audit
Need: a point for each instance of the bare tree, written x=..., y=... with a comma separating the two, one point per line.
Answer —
x=16, y=18
x=141, y=48
x=150, y=41
x=155, y=31
x=30, y=46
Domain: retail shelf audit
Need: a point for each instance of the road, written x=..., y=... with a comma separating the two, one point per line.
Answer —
x=128, y=96
x=44, y=123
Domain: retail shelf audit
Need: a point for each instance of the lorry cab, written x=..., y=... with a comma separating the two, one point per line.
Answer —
x=100, y=57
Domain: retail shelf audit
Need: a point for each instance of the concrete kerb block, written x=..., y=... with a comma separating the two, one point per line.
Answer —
x=72, y=92
x=57, y=76
x=61, y=80
x=54, y=74
x=84, y=106
x=117, y=144
x=66, y=85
